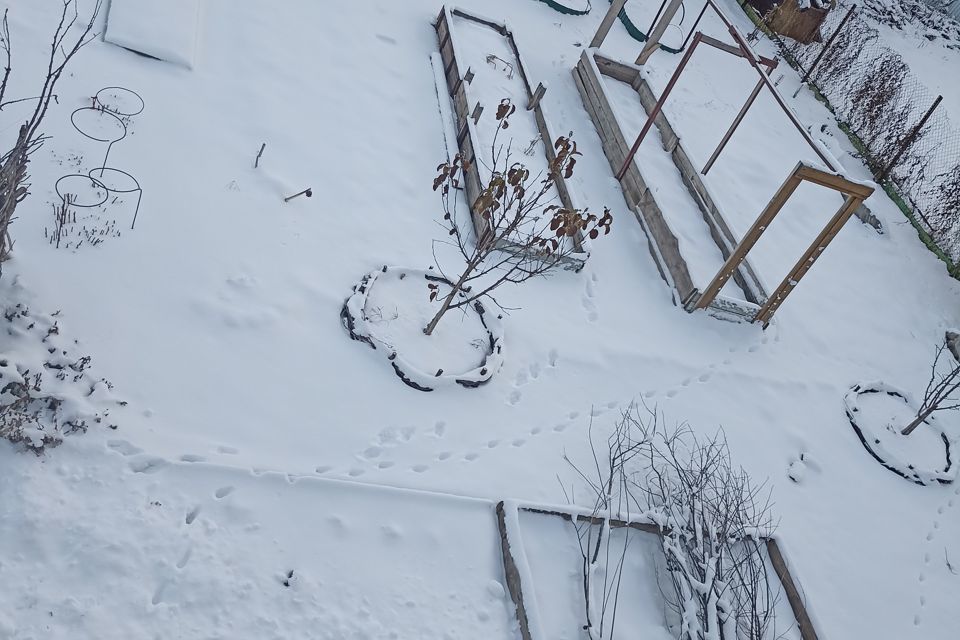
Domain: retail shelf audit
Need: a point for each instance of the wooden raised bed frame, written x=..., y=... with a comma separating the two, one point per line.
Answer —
x=467, y=139
x=663, y=243
x=781, y=567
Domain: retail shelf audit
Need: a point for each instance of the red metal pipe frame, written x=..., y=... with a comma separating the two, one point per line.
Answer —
x=697, y=39
x=754, y=62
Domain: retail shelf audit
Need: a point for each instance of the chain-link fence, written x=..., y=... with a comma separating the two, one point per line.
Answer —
x=886, y=108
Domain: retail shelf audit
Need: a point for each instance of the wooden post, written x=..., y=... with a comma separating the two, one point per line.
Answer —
x=854, y=195
x=850, y=204
x=616, y=6
x=657, y=107
x=654, y=37
x=756, y=230
x=908, y=140
x=536, y=97
x=477, y=110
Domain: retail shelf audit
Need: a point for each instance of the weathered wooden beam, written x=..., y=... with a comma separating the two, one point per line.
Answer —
x=616, y=6
x=806, y=261
x=750, y=238
x=512, y=574
x=835, y=182
x=654, y=36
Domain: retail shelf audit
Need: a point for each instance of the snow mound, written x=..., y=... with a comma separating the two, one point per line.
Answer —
x=389, y=309
x=162, y=29
x=878, y=413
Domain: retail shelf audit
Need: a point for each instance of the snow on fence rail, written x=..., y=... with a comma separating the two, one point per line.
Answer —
x=874, y=93
x=468, y=103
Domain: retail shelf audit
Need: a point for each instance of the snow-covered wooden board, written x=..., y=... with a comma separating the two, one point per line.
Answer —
x=162, y=29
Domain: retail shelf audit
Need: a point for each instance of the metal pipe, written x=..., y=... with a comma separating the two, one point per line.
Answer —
x=733, y=127
x=657, y=107
x=751, y=58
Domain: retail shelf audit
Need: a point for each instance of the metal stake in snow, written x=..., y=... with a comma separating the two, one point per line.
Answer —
x=306, y=192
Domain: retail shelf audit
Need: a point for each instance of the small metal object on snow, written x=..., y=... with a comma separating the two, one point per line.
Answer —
x=306, y=192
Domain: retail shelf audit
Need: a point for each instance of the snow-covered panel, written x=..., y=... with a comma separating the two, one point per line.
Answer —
x=163, y=29
x=554, y=555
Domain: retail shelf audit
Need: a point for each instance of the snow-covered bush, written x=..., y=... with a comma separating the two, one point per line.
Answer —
x=711, y=519
x=45, y=392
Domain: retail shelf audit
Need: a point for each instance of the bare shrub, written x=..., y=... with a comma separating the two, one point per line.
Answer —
x=711, y=519
x=13, y=164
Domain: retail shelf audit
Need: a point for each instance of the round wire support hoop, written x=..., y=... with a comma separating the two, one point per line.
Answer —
x=96, y=184
x=110, y=141
x=129, y=94
x=112, y=189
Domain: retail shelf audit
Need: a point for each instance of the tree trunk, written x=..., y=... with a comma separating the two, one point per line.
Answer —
x=449, y=299
x=917, y=422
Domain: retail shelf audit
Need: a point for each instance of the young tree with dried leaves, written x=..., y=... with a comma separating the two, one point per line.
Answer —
x=70, y=35
x=942, y=392
x=522, y=231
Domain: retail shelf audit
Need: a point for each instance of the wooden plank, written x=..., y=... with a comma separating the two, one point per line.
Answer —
x=512, y=574
x=617, y=70
x=499, y=27
x=806, y=261
x=835, y=182
x=615, y=7
x=750, y=239
x=807, y=630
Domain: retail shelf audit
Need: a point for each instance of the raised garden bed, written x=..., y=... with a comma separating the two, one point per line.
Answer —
x=389, y=309
x=481, y=67
x=687, y=233
x=542, y=568
x=878, y=412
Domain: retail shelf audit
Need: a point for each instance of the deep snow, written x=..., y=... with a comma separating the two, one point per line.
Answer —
x=217, y=319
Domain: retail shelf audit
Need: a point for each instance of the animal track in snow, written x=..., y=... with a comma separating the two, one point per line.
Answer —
x=185, y=558
x=148, y=465
x=124, y=448
x=930, y=537
x=192, y=515
x=223, y=492
x=158, y=593
x=589, y=293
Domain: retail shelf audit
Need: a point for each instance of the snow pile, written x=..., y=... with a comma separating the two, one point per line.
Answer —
x=878, y=413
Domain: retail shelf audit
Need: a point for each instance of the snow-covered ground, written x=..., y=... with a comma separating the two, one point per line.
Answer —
x=217, y=320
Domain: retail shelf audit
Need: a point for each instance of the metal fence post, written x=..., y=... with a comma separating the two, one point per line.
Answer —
x=806, y=75
x=908, y=141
